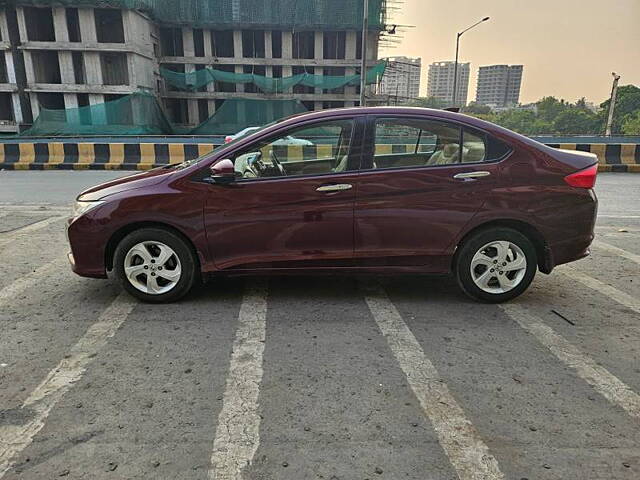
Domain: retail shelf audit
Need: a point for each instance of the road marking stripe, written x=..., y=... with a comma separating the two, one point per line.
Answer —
x=238, y=432
x=609, y=386
x=24, y=283
x=618, y=216
x=590, y=282
x=15, y=438
x=617, y=251
x=32, y=227
x=468, y=454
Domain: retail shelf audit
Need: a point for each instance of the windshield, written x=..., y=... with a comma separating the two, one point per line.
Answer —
x=188, y=163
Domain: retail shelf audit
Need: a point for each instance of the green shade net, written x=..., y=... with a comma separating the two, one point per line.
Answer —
x=136, y=114
x=308, y=14
x=140, y=114
x=235, y=115
x=193, y=81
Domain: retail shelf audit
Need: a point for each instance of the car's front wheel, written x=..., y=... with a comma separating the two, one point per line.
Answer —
x=496, y=265
x=155, y=265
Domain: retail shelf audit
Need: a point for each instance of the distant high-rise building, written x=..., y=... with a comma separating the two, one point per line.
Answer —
x=440, y=84
x=499, y=85
x=402, y=78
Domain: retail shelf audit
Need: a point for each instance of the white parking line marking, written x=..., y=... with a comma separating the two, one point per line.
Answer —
x=590, y=282
x=618, y=216
x=617, y=251
x=22, y=284
x=468, y=454
x=238, y=432
x=33, y=227
x=609, y=386
x=15, y=438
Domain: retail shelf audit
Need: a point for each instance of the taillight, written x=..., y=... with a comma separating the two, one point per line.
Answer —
x=583, y=178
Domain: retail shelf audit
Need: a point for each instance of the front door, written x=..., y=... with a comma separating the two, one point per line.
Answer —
x=422, y=181
x=292, y=203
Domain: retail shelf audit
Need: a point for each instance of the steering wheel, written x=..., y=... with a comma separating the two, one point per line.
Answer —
x=277, y=163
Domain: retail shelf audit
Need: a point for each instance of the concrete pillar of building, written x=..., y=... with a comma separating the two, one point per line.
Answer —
x=70, y=100
x=320, y=72
x=193, y=111
x=268, y=44
x=351, y=45
x=206, y=38
x=17, y=109
x=11, y=71
x=93, y=68
x=237, y=43
x=132, y=69
x=348, y=90
x=98, y=113
x=318, y=48
x=287, y=52
x=4, y=32
x=28, y=67
x=189, y=46
x=66, y=67
x=35, y=105
x=239, y=86
x=60, y=24
x=22, y=24
x=87, y=19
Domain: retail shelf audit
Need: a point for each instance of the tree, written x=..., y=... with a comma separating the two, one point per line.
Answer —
x=627, y=102
x=631, y=124
x=427, y=102
x=477, y=109
x=550, y=107
x=576, y=121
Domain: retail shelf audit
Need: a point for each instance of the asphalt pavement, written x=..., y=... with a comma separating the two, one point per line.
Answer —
x=315, y=377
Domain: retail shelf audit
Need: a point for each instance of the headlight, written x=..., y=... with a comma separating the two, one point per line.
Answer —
x=80, y=208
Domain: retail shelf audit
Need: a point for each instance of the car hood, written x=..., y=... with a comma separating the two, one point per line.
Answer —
x=130, y=182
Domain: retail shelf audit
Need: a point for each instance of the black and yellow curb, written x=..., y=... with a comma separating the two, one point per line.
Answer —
x=144, y=156
x=97, y=156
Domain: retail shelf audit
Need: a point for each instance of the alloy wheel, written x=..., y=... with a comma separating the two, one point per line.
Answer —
x=498, y=267
x=152, y=267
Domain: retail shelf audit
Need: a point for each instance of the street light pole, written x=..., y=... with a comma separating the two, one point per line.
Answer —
x=455, y=67
x=363, y=65
x=612, y=103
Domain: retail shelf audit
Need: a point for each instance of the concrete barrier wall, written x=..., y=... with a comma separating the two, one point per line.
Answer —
x=144, y=156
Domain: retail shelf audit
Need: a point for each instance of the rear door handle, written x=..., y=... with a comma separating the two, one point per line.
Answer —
x=339, y=187
x=463, y=176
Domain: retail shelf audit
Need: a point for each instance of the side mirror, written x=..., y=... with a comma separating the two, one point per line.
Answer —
x=223, y=172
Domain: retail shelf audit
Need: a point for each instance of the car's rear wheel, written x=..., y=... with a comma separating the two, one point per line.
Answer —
x=155, y=265
x=496, y=265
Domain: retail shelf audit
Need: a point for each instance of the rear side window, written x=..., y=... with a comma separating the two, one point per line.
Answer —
x=412, y=142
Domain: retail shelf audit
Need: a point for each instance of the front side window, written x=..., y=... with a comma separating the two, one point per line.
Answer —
x=410, y=142
x=319, y=149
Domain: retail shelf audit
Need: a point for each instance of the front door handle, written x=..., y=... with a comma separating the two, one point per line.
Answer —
x=463, y=176
x=339, y=187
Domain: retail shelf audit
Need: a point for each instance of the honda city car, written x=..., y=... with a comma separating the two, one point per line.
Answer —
x=373, y=190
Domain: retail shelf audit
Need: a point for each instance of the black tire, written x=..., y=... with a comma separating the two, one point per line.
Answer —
x=473, y=245
x=183, y=252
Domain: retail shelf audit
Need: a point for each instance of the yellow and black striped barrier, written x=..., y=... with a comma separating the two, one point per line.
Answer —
x=143, y=156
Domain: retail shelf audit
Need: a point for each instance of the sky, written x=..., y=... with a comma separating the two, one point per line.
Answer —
x=568, y=47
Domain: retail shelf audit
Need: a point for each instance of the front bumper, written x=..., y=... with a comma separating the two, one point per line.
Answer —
x=87, y=241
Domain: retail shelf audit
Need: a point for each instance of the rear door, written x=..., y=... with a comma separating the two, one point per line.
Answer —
x=292, y=205
x=422, y=181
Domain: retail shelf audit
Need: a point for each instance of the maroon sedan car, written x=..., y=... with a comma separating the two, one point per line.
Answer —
x=376, y=190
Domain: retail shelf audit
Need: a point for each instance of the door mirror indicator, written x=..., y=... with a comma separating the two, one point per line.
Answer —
x=223, y=172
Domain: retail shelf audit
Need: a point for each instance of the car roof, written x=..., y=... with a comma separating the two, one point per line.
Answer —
x=383, y=110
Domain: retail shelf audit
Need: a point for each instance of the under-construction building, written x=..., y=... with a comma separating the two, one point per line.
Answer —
x=66, y=54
